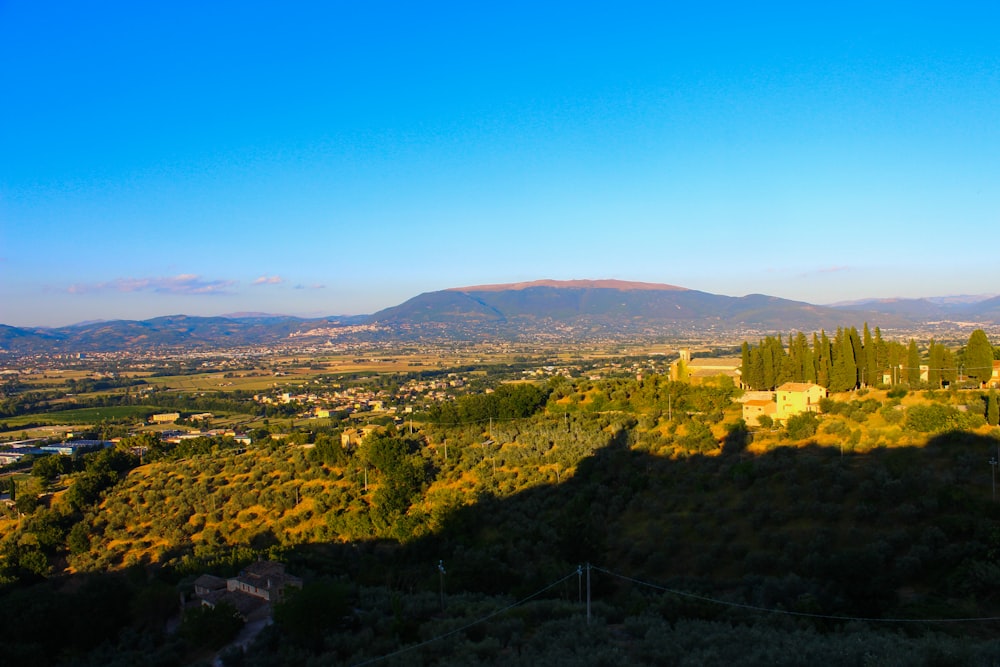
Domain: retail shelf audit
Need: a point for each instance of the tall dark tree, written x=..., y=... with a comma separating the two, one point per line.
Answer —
x=912, y=364
x=870, y=374
x=745, y=370
x=824, y=362
x=789, y=371
x=935, y=363
x=803, y=368
x=992, y=409
x=773, y=352
x=772, y=363
x=757, y=366
x=881, y=354
x=978, y=364
x=949, y=365
x=857, y=355
x=843, y=374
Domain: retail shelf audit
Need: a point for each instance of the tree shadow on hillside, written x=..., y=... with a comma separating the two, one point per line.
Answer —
x=799, y=527
x=898, y=532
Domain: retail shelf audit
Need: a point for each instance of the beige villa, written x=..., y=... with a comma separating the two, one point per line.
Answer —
x=790, y=399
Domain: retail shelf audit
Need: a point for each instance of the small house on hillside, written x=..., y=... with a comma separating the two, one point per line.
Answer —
x=794, y=398
x=755, y=408
x=264, y=579
x=352, y=437
x=791, y=398
x=251, y=592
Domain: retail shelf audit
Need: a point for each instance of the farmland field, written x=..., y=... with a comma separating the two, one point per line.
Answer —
x=85, y=415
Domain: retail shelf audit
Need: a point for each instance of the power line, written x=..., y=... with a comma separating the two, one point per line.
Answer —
x=684, y=594
x=465, y=627
x=769, y=610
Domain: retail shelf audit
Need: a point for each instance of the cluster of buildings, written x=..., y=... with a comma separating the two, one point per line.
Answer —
x=322, y=404
x=251, y=592
x=788, y=400
x=176, y=437
x=15, y=451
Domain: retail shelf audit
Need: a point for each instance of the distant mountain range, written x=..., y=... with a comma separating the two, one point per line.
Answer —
x=578, y=309
x=955, y=309
x=170, y=332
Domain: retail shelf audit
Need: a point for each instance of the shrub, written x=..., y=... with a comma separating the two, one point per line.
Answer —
x=802, y=426
x=211, y=627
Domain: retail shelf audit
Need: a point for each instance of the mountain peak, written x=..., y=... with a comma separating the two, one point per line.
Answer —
x=571, y=284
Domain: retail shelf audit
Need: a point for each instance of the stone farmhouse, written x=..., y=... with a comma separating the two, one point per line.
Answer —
x=251, y=592
x=705, y=369
x=790, y=399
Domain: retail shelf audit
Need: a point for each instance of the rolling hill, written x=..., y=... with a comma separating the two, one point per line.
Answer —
x=608, y=307
x=570, y=310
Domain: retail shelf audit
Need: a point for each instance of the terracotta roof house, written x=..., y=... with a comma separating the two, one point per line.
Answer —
x=794, y=398
x=755, y=408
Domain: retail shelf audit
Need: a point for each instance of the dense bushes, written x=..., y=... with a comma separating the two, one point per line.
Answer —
x=936, y=417
x=801, y=527
x=508, y=401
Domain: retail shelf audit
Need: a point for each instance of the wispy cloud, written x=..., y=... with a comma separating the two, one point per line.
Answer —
x=824, y=270
x=312, y=286
x=185, y=283
x=269, y=280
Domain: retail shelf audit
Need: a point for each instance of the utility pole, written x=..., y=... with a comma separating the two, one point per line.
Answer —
x=993, y=466
x=441, y=574
x=588, y=593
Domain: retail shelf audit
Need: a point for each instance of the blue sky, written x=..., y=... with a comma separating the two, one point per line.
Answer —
x=341, y=157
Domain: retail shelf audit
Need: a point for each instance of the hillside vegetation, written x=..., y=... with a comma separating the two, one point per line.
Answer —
x=881, y=508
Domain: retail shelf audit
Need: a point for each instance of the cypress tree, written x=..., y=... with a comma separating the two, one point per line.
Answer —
x=912, y=364
x=870, y=374
x=992, y=409
x=770, y=373
x=978, y=357
x=770, y=368
x=757, y=364
x=839, y=370
x=881, y=354
x=933, y=365
x=745, y=365
x=855, y=365
x=896, y=361
x=949, y=365
x=774, y=362
x=824, y=362
x=788, y=362
x=805, y=369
